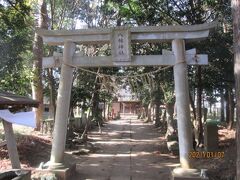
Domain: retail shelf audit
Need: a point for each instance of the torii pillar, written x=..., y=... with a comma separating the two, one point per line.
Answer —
x=182, y=102
x=63, y=103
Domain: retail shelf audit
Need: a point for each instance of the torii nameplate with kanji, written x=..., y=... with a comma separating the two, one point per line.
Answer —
x=121, y=44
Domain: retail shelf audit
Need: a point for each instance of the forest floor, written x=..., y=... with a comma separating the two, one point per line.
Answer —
x=125, y=149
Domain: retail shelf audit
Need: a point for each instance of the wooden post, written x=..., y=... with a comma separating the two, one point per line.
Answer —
x=63, y=102
x=11, y=145
x=182, y=102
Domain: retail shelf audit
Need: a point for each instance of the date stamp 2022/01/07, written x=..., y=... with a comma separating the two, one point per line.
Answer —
x=206, y=154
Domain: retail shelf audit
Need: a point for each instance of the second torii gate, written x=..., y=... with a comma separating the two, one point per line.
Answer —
x=120, y=39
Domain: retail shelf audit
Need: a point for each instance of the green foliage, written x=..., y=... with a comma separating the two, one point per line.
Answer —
x=15, y=44
x=217, y=76
x=15, y=40
x=82, y=90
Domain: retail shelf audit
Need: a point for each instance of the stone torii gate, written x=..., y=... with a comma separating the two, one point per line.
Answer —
x=120, y=39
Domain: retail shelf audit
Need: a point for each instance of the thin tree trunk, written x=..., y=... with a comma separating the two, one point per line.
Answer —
x=205, y=113
x=95, y=103
x=71, y=112
x=157, y=103
x=192, y=105
x=145, y=111
x=51, y=83
x=199, y=105
x=231, y=108
x=227, y=106
x=52, y=98
x=210, y=108
x=84, y=134
x=149, y=114
x=153, y=112
x=236, y=39
x=104, y=109
x=37, y=87
x=169, y=114
x=222, y=118
x=157, y=114
x=163, y=116
x=108, y=111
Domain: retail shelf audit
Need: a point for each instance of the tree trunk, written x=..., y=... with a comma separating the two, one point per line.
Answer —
x=153, y=112
x=95, y=103
x=210, y=108
x=222, y=118
x=169, y=117
x=149, y=112
x=108, y=111
x=52, y=98
x=236, y=40
x=52, y=89
x=145, y=111
x=205, y=113
x=104, y=109
x=71, y=113
x=163, y=116
x=157, y=114
x=230, y=108
x=84, y=134
x=37, y=87
x=227, y=106
x=192, y=105
x=199, y=105
x=214, y=111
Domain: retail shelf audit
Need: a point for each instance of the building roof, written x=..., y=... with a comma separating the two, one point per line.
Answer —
x=8, y=100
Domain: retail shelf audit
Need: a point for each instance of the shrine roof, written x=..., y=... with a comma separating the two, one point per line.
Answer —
x=9, y=99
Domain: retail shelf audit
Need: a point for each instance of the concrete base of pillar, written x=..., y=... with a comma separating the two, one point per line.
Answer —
x=65, y=172
x=187, y=174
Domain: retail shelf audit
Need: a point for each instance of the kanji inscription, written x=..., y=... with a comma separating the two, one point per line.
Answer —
x=120, y=44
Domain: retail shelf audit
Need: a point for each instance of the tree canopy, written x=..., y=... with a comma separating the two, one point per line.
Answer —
x=17, y=27
x=15, y=44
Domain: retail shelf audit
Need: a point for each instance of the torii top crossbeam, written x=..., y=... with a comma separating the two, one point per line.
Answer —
x=120, y=39
x=138, y=34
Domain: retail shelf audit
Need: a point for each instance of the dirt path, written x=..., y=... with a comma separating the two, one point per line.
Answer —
x=128, y=150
